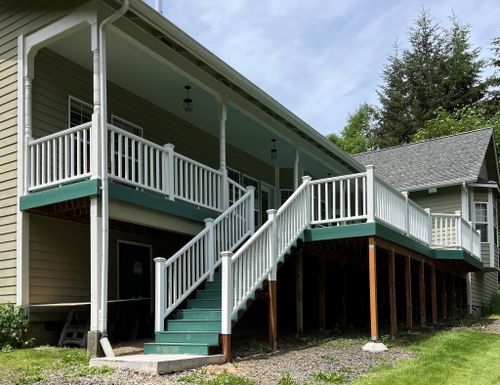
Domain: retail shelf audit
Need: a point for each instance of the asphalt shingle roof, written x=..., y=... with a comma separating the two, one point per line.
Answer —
x=446, y=160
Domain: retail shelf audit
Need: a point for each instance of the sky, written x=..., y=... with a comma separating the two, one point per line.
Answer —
x=319, y=58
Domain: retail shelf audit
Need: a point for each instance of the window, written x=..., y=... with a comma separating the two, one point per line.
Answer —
x=79, y=112
x=126, y=125
x=481, y=215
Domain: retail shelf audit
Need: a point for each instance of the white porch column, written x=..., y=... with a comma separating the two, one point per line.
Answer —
x=95, y=261
x=222, y=110
x=296, y=169
x=277, y=195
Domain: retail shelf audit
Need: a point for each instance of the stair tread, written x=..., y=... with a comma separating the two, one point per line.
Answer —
x=193, y=320
x=179, y=344
x=190, y=332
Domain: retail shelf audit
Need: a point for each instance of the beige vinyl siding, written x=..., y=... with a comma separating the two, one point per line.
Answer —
x=483, y=287
x=59, y=261
x=445, y=200
x=57, y=77
x=15, y=18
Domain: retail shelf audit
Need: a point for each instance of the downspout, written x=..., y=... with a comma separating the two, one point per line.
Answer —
x=103, y=316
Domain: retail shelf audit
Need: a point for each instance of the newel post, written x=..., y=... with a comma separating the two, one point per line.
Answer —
x=209, y=224
x=273, y=260
x=429, y=233
x=458, y=221
x=169, y=171
x=227, y=303
x=370, y=193
x=407, y=212
x=472, y=237
x=307, y=204
x=159, y=294
x=273, y=244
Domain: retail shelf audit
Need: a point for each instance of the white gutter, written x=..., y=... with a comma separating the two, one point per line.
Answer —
x=103, y=316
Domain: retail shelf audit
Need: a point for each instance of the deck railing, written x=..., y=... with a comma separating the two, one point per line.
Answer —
x=64, y=158
x=453, y=231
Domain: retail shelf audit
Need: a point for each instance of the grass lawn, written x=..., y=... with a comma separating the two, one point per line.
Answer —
x=26, y=366
x=447, y=358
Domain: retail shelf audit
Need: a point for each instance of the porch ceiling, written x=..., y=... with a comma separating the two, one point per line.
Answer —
x=163, y=85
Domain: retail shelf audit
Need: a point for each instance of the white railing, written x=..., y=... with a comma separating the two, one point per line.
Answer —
x=338, y=199
x=257, y=258
x=390, y=205
x=180, y=275
x=59, y=158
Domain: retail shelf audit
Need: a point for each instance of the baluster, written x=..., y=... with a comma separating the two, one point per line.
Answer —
x=126, y=157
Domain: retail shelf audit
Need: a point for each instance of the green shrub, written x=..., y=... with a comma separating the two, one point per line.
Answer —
x=13, y=327
x=494, y=307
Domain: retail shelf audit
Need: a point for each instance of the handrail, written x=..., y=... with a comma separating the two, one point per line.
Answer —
x=181, y=274
x=60, y=133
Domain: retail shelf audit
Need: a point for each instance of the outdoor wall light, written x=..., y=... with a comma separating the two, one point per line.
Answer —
x=187, y=101
x=274, y=151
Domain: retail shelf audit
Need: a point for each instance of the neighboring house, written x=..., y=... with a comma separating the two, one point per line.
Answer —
x=455, y=174
x=107, y=162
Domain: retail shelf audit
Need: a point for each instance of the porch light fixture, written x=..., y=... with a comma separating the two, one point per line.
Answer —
x=187, y=101
x=274, y=151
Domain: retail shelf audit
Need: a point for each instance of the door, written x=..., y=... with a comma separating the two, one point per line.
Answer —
x=134, y=270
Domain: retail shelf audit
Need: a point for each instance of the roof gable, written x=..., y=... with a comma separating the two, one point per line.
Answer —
x=437, y=162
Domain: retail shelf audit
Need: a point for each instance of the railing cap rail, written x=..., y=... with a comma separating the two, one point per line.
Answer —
x=60, y=133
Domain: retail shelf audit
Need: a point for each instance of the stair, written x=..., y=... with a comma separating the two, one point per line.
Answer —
x=195, y=329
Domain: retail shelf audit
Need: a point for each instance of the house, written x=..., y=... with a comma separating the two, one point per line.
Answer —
x=456, y=174
x=144, y=179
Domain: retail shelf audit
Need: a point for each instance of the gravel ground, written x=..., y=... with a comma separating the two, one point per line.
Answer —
x=300, y=358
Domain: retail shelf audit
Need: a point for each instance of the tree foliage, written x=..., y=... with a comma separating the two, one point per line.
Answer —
x=356, y=136
x=439, y=70
x=492, y=99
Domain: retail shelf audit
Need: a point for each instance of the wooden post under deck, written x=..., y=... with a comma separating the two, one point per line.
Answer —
x=409, y=309
x=433, y=295
x=225, y=340
x=444, y=299
x=421, y=287
x=273, y=327
x=299, y=294
x=372, y=272
x=392, y=294
x=322, y=292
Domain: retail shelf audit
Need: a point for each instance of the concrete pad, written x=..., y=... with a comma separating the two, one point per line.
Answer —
x=158, y=363
x=375, y=347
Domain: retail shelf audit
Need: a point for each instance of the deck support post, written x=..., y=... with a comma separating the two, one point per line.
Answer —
x=226, y=303
x=299, y=293
x=433, y=295
x=408, y=296
x=93, y=336
x=273, y=261
x=392, y=294
x=322, y=293
x=444, y=298
x=273, y=327
x=421, y=287
x=372, y=272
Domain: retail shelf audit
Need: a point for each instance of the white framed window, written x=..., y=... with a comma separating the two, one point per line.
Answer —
x=126, y=125
x=249, y=181
x=481, y=219
x=79, y=112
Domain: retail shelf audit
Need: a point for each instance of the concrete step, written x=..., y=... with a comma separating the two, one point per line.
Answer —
x=188, y=325
x=196, y=337
x=198, y=314
x=178, y=348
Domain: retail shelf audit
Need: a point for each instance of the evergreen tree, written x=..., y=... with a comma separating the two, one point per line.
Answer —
x=493, y=82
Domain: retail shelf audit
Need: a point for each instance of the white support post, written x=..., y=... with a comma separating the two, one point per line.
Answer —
x=95, y=131
x=224, y=194
x=28, y=131
x=209, y=224
x=458, y=224
x=407, y=212
x=251, y=209
x=307, y=206
x=276, y=184
x=296, y=169
x=273, y=244
x=95, y=261
x=370, y=193
x=227, y=292
x=429, y=224
x=471, y=236
x=159, y=294
x=170, y=171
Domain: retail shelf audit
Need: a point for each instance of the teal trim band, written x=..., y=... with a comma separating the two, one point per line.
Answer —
x=156, y=202
x=60, y=194
x=377, y=229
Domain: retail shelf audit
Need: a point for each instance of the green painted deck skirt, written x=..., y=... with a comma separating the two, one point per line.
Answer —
x=117, y=191
x=65, y=193
x=377, y=229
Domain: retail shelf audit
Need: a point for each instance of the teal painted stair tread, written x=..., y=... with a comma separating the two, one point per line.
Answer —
x=209, y=294
x=194, y=337
x=208, y=314
x=204, y=303
x=178, y=348
x=187, y=325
